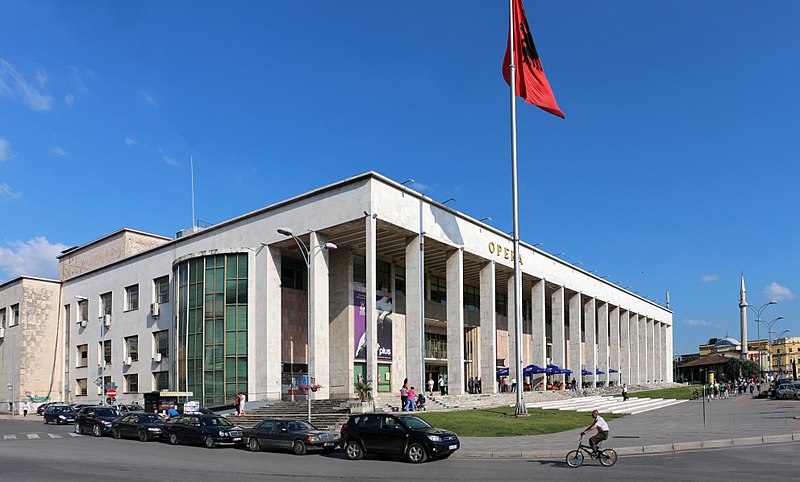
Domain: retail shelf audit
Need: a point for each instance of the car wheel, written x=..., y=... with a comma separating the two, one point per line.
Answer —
x=416, y=453
x=142, y=435
x=78, y=428
x=115, y=432
x=209, y=441
x=97, y=431
x=299, y=448
x=253, y=445
x=173, y=439
x=353, y=450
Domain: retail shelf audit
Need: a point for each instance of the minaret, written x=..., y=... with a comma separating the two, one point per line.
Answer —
x=667, y=299
x=743, y=317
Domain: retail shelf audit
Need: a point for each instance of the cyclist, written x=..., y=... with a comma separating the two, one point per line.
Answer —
x=602, y=431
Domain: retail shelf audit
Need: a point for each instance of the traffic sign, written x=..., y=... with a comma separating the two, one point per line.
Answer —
x=111, y=393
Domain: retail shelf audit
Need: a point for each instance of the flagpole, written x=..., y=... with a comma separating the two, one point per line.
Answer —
x=519, y=409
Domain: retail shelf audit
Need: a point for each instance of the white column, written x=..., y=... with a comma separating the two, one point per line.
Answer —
x=643, y=350
x=668, y=347
x=372, y=327
x=414, y=259
x=602, y=342
x=590, y=346
x=651, y=350
x=625, y=342
x=557, y=324
x=266, y=332
x=575, y=356
x=512, y=342
x=538, y=335
x=488, y=332
x=318, y=293
x=614, y=348
x=658, y=353
x=455, y=322
x=633, y=318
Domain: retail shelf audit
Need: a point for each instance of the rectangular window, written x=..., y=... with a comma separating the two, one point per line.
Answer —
x=2, y=317
x=132, y=298
x=382, y=276
x=67, y=314
x=132, y=347
x=132, y=383
x=160, y=381
x=83, y=310
x=14, y=315
x=161, y=288
x=83, y=356
x=472, y=298
x=438, y=290
x=105, y=347
x=399, y=281
x=501, y=304
x=293, y=273
x=359, y=270
x=161, y=342
x=80, y=387
x=105, y=304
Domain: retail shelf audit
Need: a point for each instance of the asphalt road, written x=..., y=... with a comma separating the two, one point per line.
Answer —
x=30, y=451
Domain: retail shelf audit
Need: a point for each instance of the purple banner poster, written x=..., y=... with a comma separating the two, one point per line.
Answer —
x=360, y=321
x=383, y=319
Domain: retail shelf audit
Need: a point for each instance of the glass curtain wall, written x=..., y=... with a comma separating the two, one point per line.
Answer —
x=212, y=327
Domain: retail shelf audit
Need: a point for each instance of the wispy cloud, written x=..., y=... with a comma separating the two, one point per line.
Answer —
x=149, y=98
x=169, y=160
x=708, y=278
x=13, y=85
x=697, y=323
x=69, y=99
x=419, y=186
x=5, y=149
x=59, y=151
x=7, y=193
x=775, y=291
x=129, y=141
x=35, y=257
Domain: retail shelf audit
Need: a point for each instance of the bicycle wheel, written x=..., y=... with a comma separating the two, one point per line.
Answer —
x=608, y=457
x=574, y=459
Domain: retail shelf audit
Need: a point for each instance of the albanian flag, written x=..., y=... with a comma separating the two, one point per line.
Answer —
x=532, y=84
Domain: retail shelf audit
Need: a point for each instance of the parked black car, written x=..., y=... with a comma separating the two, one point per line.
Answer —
x=96, y=420
x=41, y=408
x=58, y=414
x=142, y=425
x=210, y=430
x=295, y=435
x=404, y=435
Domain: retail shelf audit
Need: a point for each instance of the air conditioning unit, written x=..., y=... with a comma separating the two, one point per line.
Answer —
x=154, y=310
x=157, y=357
x=2, y=333
x=82, y=323
x=128, y=361
x=107, y=320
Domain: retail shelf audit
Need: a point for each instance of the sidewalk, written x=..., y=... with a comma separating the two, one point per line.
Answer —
x=736, y=421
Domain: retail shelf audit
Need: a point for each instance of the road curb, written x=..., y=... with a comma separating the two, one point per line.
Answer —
x=637, y=449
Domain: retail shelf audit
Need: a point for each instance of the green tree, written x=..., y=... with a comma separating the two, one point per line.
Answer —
x=736, y=368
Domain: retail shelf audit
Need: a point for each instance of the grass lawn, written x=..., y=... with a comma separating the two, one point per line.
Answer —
x=679, y=393
x=500, y=421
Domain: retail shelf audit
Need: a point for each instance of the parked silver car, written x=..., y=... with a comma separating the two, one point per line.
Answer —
x=786, y=391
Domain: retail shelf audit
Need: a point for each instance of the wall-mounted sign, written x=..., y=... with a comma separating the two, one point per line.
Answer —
x=500, y=251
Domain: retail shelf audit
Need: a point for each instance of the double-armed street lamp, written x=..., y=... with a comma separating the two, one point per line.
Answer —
x=308, y=253
x=759, y=321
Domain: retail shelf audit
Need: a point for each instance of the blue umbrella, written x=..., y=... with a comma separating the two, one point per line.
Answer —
x=565, y=371
x=585, y=372
x=600, y=372
x=533, y=369
x=503, y=372
x=611, y=370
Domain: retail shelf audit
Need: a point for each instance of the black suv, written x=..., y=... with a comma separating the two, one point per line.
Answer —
x=405, y=435
x=96, y=419
x=210, y=430
x=142, y=425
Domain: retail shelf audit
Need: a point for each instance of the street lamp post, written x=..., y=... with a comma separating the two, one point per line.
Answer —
x=307, y=253
x=102, y=354
x=758, y=312
x=770, y=338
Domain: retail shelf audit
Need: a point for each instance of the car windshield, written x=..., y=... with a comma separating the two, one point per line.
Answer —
x=107, y=412
x=414, y=422
x=150, y=418
x=299, y=426
x=62, y=409
x=217, y=422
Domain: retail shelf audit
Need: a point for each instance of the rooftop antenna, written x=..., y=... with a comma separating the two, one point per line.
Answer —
x=191, y=168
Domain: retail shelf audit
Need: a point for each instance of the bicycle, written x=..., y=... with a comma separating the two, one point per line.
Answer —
x=607, y=457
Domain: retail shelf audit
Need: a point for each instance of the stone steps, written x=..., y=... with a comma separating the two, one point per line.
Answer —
x=327, y=415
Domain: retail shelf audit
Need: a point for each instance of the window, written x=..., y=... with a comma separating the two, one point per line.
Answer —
x=132, y=347
x=83, y=310
x=132, y=298
x=105, y=304
x=2, y=317
x=382, y=276
x=438, y=290
x=293, y=273
x=80, y=387
x=472, y=298
x=161, y=342
x=161, y=288
x=67, y=314
x=359, y=270
x=132, y=383
x=83, y=356
x=14, y=315
x=399, y=281
x=160, y=381
x=105, y=349
x=501, y=304
x=435, y=345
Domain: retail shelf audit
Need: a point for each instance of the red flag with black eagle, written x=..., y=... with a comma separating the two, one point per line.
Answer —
x=532, y=84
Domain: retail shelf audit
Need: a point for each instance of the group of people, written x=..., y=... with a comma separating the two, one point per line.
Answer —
x=239, y=402
x=474, y=385
x=504, y=385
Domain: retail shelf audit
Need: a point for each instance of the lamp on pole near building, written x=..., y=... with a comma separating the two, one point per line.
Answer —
x=780, y=335
x=102, y=383
x=759, y=321
x=308, y=253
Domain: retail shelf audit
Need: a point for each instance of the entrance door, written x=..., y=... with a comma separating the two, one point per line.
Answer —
x=434, y=371
x=359, y=374
x=384, y=378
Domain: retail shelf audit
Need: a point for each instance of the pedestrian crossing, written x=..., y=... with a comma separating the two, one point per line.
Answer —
x=606, y=404
x=37, y=436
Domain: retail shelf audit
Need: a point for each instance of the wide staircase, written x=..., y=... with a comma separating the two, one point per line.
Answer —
x=327, y=415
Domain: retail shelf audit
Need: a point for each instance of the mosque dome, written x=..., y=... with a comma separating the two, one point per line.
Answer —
x=727, y=342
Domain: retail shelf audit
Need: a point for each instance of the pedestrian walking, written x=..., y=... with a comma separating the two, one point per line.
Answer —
x=471, y=385
x=513, y=385
x=441, y=384
x=236, y=403
x=403, y=397
x=624, y=392
x=410, y=400
x=25, y=407
x=430, y=385
x=444, y=384
x=574, y=385
x=242, y=400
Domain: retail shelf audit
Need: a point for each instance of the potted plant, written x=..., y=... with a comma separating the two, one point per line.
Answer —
x=364, y=392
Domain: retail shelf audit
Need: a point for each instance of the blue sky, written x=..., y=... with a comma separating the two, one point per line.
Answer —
x=675, y=169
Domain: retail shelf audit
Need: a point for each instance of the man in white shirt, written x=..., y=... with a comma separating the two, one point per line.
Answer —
x=602, y=431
